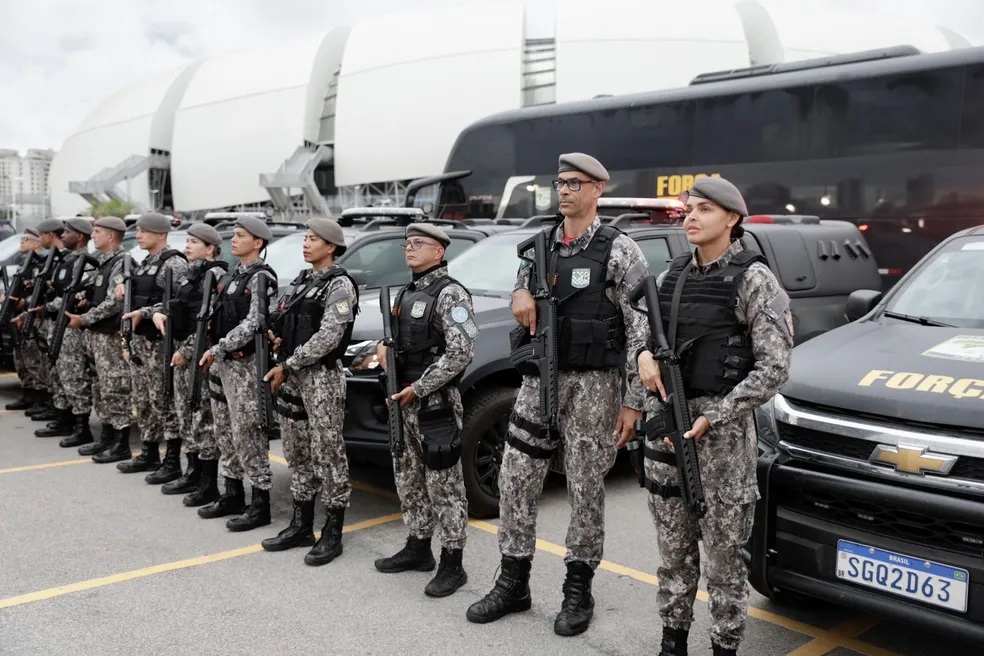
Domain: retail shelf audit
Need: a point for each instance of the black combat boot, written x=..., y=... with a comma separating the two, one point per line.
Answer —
x=674, y=642
x=106, y=440
x=27, y=399
x=232, y=501
x=300, y=531
x=188, y=481
x=721, y=651
x=41, y=403
x=208, y=485
x=415, y=555
x=329, y=545
x=148, y=460
x=50, y=413
x=63, y=426
x=255, y=516
x=170, y=469
x=81, y=434
x=119, y=451
x=578, y=605
x=450, y=575
x=510, y=594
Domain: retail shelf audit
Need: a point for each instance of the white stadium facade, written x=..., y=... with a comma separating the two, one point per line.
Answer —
x=348, y=116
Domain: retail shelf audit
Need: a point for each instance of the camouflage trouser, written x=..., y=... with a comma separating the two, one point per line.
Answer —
x=45, y=331
x=229, y=465
x=249, y=442
x=28, y=364
x=157, y=422
x=724, y=530
x=111, y=393
x=311, y=405
x=588, y=406
x=75, y=369
x=195, y=418
x=429, y=497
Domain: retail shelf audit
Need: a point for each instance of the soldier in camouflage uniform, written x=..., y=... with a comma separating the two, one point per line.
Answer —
x=593, y=268
x=735, y=316
x=158, y=421
x=200, y=479
x=434, y=331
x=27, y=355
x=101, y=321
x=315, y=326
x=236, y=322
x=74, y=363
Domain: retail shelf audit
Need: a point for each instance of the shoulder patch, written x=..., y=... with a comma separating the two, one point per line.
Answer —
x=470, y=328
x=342, y=307
x=459, y=314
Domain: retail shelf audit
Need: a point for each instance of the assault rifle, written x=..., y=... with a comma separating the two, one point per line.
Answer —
x=126, y=325
x=395, y=414
x=39, y=285
x=14, y=290
x=542, y=349
x=168, y=340
x=68, y=304
x=680, y=421
x=262, y=347
x=201, y=339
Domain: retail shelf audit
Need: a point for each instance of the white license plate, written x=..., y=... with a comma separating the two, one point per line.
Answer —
x=905, y=576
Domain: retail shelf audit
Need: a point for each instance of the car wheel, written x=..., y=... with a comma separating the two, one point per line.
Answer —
x=486, y=424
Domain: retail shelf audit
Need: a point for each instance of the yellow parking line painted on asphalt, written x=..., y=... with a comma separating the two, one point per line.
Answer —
x=90, y=584
x=850, y=628
x=47, y=465
x=793, y=625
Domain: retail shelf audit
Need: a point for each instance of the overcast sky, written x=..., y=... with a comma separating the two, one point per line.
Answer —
x=59, y=58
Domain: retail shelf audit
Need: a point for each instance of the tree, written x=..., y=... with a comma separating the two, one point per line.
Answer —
x=111, y=207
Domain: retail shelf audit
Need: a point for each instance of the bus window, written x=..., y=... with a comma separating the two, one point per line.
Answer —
x=762, y=126
x=972, y=125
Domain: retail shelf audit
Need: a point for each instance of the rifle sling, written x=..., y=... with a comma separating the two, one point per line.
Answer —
x=675, y=306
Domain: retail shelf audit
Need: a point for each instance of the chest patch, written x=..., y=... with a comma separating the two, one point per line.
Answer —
x=311, y=293
x=62, y=274
x=99, y=280
x=418, y=308
x=152, y=271
x=580, y=278
x=232, y=287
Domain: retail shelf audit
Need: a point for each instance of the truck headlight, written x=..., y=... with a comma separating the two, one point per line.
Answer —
x=363, y=355
x=765, y=426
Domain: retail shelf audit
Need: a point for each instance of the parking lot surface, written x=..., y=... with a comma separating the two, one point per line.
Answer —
x=93, y=561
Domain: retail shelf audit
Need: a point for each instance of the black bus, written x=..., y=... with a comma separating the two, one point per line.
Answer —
x=892, y=140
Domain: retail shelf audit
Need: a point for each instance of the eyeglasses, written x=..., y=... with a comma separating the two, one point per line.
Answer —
x=574, y=184
x=415, y=244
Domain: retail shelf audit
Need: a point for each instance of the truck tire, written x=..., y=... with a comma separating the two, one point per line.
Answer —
x=483, y=438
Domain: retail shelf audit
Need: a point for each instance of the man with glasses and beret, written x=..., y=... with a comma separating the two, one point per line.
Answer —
x=314, y=326
x=592, y=269
x=28, y=361
x=434, y=331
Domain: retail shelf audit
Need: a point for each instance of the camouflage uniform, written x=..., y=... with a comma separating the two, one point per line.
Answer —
x=111, y=393
x=45, y=332
x=315, y=396
x=75, y=364
x=249, y=444
x=727, y=454
x=430, y=497
x=229, y=464
x=588, y=408
x=28, y=359
x=157, y=422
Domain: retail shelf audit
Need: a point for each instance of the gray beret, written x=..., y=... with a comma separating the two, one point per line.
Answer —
x=112, y=223
x=154, y=222
x=586, y=164
x=330, y=231
x=206, y=233
x=428, y=230
x=255, y=227
x=80, y=226
x=50, y=225
x=722, y=192
x=33, y=232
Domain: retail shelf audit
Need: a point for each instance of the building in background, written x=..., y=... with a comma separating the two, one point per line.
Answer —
x=348, y=116
x=24, y=193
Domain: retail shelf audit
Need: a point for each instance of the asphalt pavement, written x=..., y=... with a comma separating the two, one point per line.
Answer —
x=97, y=562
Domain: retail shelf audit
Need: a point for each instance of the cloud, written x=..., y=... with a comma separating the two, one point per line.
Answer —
x=59, y=58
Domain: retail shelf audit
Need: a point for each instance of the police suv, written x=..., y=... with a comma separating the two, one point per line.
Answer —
x=871, y=466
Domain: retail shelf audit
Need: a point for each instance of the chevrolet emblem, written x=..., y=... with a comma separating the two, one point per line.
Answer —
x=913, y=459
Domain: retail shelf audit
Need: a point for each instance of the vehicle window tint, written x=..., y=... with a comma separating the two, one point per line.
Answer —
x=754, y=127
x=972, y=123
x=490, y=265
x=657, y=254
x=949, y=287
x=383, y=261
x=285, y=256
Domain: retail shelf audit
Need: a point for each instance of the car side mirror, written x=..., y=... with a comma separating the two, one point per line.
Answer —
x=861, y=302
x=359, y=276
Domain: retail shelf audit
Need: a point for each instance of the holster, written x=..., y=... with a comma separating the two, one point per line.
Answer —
x=440, y=437
x=521, y=356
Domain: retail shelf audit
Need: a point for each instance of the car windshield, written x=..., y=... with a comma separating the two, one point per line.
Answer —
x=948, y=288
x=286, y=255
x=489, y=266
x=9, y=247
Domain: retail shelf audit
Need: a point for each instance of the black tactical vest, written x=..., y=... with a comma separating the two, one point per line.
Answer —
x=419, y=343
x=61, y=280
x=303, y=312
x=714, y=350
x=186, y=302
x=233, y=304
x=101, y=288
x=145, y=291
x=591, y=329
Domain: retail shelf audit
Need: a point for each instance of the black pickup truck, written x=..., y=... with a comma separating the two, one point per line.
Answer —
x=819, y=262
x=871, y=466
